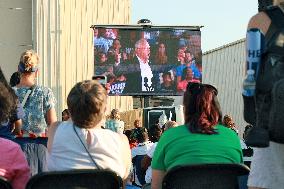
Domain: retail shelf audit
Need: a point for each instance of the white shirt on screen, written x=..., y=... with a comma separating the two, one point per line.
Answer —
x=146, y=72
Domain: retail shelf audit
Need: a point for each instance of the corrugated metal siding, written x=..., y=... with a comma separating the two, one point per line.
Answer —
x=64, y=42
x=225, y=68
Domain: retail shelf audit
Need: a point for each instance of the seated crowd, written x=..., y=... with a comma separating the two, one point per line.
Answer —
x=138, y=156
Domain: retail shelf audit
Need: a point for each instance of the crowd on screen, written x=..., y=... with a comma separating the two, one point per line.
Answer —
x=173, y=59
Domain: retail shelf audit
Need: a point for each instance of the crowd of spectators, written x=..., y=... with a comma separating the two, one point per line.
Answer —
x=97, y=144
x=33, y=141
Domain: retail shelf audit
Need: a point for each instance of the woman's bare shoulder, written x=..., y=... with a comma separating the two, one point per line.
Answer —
x=261, y=21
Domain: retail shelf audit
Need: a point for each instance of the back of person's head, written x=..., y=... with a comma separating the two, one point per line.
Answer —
x=65, y=111
x=141, y=134
x=202, y=109
x=6, y=103
x=130, y=136
x=155, y=133
x=170, y=124
x=137, y=123
x=229, y=122
x=115, y=114
x=87, y=103
x=28, y=62
x=247, y=129
x=3, y=79
x=6, y=84
x=15, y=79
x=65, y=115
x=128, y=133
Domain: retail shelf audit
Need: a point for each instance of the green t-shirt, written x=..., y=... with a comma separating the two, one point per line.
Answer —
x=178, y=146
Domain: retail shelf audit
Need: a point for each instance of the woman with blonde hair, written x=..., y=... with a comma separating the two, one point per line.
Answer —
x=114, y=123
x=38, y=103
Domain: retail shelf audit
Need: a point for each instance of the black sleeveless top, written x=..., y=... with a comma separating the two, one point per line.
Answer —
x=272, y=59
x=274, y=38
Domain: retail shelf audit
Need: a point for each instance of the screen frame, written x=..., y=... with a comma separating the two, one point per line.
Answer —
x=151, y=27
x=194, y=28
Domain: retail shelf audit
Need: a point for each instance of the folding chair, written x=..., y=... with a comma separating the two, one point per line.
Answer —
x=4, y=184
x=138, y=170
x=213, y=176
x=146, y=186
x=76, y=179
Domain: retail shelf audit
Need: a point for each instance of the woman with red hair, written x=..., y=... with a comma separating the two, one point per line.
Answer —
x=202, y=139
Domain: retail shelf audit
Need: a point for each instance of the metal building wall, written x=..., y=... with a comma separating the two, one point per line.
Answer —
x=15, y=33
x=224, y=68
x=64, y=40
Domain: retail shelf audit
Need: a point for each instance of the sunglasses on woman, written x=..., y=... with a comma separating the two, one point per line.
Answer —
x=196, y=88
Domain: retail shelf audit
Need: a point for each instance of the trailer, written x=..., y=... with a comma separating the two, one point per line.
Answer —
x=150, y=115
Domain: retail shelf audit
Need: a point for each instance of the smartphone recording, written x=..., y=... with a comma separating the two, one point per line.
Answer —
x=102, y=79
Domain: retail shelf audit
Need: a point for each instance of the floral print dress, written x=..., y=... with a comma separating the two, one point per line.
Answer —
x=40, y=100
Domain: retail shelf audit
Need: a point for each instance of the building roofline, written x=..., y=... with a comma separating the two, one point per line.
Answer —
x=224, y=46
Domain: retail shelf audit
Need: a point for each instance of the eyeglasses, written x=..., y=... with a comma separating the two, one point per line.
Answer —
x=196, y=88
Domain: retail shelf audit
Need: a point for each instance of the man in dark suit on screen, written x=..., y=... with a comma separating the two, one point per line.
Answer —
x=140, y=78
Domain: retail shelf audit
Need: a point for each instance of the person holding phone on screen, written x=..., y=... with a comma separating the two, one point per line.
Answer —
x=140, y=78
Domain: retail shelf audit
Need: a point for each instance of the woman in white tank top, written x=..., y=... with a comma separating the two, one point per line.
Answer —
x=81, y=143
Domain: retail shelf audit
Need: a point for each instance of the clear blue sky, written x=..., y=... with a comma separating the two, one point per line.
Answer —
x=224, y=21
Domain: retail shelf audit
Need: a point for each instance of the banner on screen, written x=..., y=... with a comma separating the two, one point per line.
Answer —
x=148, y=61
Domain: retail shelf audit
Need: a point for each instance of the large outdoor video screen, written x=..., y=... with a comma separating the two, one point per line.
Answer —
x=148, y=61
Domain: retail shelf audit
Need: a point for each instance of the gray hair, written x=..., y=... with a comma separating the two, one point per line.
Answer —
x=140, y=42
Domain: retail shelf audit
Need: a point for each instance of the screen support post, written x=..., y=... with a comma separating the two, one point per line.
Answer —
x=145, y=101
x=142, y=101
